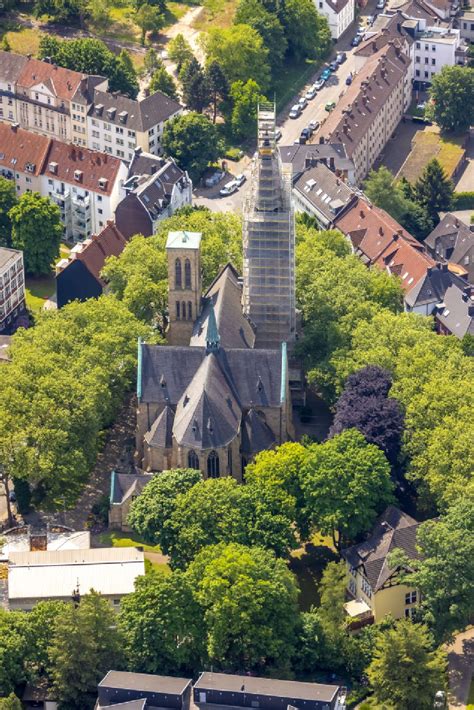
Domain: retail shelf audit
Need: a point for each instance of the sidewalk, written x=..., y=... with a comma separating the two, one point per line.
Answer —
x=460, y=669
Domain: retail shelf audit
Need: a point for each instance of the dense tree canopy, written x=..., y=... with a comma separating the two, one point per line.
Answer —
x=406, y=672
x=268, y=26
x=196, y=91
x=248, y=601
x=161, y=80
x=452, y=98
x=307, y=32
x=245, y=100
x=139, y=276
x=346, y=482
x=37, y=231
x=8, y=200
x=191, y=139
x=90, y=56
x=434, y=191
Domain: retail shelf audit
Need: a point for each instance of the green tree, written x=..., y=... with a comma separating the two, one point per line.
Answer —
x=90, y=56
x=10, y=703
x=193, y=141
x=87, y=632
x=196, y=93
x=154, y=507
x=307, y=32
x=268, y=26
x=151, y=60
x=248, y=600
x=8, y=200
x=161, y=624
x=405, y=671
x=63, y=11
x=99, y=13
x=5, y=44
x=13, y=649
x=347, y=484
x=179, y=51
x=39, y=632
x=37, y=231
x=452, y=98
x=162, y=81
x=445, y=574
x=218, y=87
x=434, y=190
x=240, y=52
x=245, y=100
x=149, y=19
x=139, y=276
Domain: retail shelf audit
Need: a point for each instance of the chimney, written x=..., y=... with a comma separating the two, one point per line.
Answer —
x=374, y=45
x=395, y=237
x=362, y=214
x=15, y=127
x=321, y=139
x=456, y=224
x=47, y=60
x=331, y=163
x=467, y=290
x=381, y=231
x=400, y=232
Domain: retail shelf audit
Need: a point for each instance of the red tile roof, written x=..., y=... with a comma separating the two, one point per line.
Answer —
x=110, y=242
x=19, y=148
x=383, y=242
x=62, y=82
x=92, y=164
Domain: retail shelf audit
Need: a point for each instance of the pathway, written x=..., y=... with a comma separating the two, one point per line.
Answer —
x=460, y=669
x=185, y=27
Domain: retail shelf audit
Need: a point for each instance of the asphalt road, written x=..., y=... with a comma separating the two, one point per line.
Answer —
x=291, y=128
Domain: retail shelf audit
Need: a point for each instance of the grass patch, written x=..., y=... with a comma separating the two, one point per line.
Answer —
x=156, y=567
x=216, y=13
x=373, y=704
x=38, y=290
x=174, y=12
x=121, y=26
x=291, y=78
x=429, y=144
x=64, y=250
x=24, y=40
x=115, y=538
x=308, y=563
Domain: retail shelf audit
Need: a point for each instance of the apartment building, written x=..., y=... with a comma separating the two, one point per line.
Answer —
x=466, y=25
x=86, y=185
x=434, y=48
x=370, y=110
x=77, y=108
x=339, y=14
x=12, y=288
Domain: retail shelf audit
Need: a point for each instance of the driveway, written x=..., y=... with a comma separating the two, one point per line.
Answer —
x=460, y=669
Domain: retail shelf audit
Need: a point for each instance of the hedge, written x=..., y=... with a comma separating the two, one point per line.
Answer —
x=463, y=201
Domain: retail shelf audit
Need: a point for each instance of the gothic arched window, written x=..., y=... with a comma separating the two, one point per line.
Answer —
x=193, y=460
x=187, y=274
x=213, y=465
x=183, y=310
x=190, y=310
x=178, y=310
x=178, y=283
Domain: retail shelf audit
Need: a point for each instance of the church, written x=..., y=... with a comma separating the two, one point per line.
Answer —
x=219, y=392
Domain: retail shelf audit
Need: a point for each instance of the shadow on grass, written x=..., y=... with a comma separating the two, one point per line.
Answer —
x=308, y=568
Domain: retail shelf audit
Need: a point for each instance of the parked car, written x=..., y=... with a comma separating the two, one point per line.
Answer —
x=330, y=106
x=278, y=135
x=295, y=111
x=371, y=20
x=361, y=30
x=334, y=66
x=240, y=179
x=341, y=57
x=380, y=4
x=305, y=133
x=311, y=93
x=326, y=74
x=314, y=125
x=299, y=141
x=349, y=79
x=356, y=41
x=302, y=102
x=319, y=84
x=214, y=178
x=228, y=189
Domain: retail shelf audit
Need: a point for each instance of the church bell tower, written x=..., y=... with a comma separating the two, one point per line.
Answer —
x=183, y=251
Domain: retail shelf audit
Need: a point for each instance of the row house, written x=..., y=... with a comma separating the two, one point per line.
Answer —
x=339, y=14
x=86, y=185
x=12, y=288
x=452, y=241
x=75, y=107
x=368, y=113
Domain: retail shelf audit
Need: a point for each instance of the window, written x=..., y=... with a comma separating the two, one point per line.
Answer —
x=417, y=72
x=99, y=198
x=427, y=74
x=183, y=310
x=118, y=130
x=190, y=310
x=417, y=60
x=178, y=310
x=410, y=598
x=177, y=274
x=100, y=211
x=229, y=459
x=187, y=274
x=433, y=61
x=418, y=45
x=409, y=613
x=433, y=48
x=193, y=460
x=426, y=60
x=213, y=465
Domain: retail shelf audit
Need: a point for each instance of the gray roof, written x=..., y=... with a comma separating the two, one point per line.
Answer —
x=432, y=287
x=138, y=115
x=456, y=313
x=256, y=434
x=124, y=485
x=302, y=155
x=155, y=191
x=394, y=529
x=11, y=65
x=161, y=432
x=145, y=682
x=7, y=255
x=324, y=190
x=225, y=296
x=451, y=232
x=288, y=689
x=128, y=705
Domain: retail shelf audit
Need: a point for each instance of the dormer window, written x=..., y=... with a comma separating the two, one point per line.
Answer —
x=111, y=112
x=98, y=109
x=53, y=168
x=30, y=167
x=78, y=175
x=123, y=115
x=103, y=183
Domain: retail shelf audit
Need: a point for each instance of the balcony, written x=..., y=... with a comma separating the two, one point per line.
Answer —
x=359, y=614
x=60, y=196
x=81, y=201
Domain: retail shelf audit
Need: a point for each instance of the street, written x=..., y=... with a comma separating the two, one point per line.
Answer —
x=291, y=128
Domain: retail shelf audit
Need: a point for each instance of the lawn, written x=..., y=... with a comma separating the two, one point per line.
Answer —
x=38, y=290
x=308, y=563
x=216, y=13
x=292, y=77
x=156, y=567
x=428, y=144
x=114, y=538
x=24, y=40
x=123, y=28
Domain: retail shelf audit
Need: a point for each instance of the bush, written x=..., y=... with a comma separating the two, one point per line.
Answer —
x=233, y=154
x=463, y=201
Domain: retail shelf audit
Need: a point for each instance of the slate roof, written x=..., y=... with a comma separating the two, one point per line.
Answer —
x=155, y=191
x=337, y=5
x=11, y=66
x=145, y=163
x=93, y=165
x=456, y=312
x=324, y=190
x=267, y=687
x=62, y=82
x=301, y=156
x=432, y=287
x=139, y=704
x=93, y=252
x=20, y=148
x=225, y=296
x=138, y=115
x=379, y=35
x=450, y=233
x=124, y=485
x=161, y=431
x=256, y=434
x=6, y=255
x=394, y=529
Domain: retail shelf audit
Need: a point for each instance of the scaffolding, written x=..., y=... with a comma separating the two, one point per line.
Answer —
x=269, y=241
